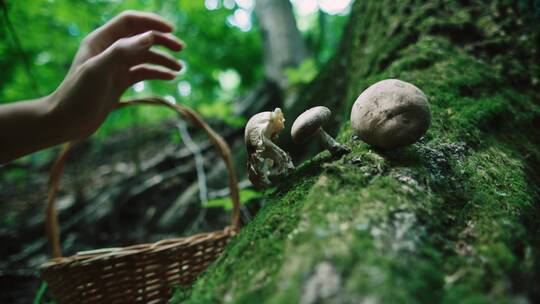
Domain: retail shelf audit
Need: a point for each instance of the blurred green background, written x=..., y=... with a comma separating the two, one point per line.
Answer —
x=222, y=62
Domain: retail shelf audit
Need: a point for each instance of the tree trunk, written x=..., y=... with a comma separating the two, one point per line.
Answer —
x=453, y=218
x=283, y=45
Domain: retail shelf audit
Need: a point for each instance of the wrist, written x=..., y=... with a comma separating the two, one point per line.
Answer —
x=32, y=125
x=48, y=106
x=57, y=119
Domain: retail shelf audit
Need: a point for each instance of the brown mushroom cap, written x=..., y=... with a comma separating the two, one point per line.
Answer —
x=309, y=122
x=390, y=114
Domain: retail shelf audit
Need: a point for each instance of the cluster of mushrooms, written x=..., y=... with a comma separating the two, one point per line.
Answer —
x=387, y=115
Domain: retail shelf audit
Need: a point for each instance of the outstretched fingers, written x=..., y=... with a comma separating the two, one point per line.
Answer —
x=129, y=23
x=168, y=41
x=159, y=58
x=132, y=56
x=137, y=49
x=142, y=72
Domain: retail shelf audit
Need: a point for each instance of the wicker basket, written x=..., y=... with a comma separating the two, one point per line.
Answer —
x=142, y=273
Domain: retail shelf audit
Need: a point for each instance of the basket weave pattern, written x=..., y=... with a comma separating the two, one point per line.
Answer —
x=144, y=273
x=137, y=274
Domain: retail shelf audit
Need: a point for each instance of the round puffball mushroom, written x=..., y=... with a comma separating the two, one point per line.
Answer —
x=266, y=161
x=391, y=114
x=309, y=124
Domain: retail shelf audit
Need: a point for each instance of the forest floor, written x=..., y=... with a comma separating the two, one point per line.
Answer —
x=103, y=201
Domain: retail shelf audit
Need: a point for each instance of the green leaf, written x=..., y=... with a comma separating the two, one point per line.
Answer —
x=226, y=203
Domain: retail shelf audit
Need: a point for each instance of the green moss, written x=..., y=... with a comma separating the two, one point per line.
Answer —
x=260, y=243
x=449, y=219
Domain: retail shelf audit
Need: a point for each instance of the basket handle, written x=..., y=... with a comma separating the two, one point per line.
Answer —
x=51, y=218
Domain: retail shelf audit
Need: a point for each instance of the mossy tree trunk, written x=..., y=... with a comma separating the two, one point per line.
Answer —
x=454, y=218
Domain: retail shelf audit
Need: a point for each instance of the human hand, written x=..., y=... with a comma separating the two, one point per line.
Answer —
x=110, y=60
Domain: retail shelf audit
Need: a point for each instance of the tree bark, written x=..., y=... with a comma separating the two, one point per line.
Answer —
x=452, y=218
x=283, y=44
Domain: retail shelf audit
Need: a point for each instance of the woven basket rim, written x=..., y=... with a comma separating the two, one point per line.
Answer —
x=122, y=252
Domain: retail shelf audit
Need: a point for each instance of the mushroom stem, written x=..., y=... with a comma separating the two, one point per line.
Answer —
x=285, y=158
x=331, y=144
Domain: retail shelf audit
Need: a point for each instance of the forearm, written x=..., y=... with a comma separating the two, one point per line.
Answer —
x=28, y=126
x=110, y=60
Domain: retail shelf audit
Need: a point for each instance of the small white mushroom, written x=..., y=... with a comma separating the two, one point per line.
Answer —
x=309, y=124
x=266, y=161
x=390, y=114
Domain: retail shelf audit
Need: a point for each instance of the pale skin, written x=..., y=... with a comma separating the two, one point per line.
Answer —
x=109, y=60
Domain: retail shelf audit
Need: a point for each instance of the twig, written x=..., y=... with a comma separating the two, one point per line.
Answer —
x=199, y=160
x=221, y=193
x=26, y=61
x=134, y=151
x=199, y=220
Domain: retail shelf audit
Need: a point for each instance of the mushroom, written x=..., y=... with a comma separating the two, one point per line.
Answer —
x=309, y=124
x=390, y=114
x=266, y=161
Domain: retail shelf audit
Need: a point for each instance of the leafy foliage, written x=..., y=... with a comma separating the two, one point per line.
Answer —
x=303, y=74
